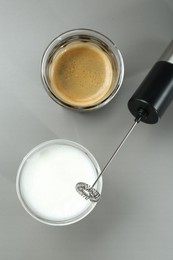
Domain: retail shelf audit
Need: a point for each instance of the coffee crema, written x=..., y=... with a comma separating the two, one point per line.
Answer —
x=81, y=74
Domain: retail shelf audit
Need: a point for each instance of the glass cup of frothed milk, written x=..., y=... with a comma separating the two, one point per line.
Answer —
x=47, y=178
x=82, y=69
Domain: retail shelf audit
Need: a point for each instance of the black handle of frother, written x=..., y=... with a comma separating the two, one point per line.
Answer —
x=156, y=91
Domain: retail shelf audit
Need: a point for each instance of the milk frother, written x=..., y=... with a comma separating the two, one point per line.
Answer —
x=148, y=104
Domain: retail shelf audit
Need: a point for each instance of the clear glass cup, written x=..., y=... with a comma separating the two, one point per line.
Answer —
x=35, y=171
x=88, y=36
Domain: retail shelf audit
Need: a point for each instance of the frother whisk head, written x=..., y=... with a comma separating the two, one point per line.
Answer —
x=88, y=192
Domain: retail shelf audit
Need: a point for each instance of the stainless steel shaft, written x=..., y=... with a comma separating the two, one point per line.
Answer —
x=116, y=151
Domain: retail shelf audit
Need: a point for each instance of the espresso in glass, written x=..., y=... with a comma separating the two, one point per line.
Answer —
x=82, y=69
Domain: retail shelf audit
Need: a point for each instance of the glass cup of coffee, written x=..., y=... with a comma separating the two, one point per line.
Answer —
x=82, y=69
x=47, y=178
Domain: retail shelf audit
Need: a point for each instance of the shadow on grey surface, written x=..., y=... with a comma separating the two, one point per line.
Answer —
x=144, y=54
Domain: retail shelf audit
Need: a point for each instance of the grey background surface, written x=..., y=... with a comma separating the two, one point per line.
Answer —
x=134, y=219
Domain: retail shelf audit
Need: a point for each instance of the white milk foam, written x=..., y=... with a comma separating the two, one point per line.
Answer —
x=49, y=178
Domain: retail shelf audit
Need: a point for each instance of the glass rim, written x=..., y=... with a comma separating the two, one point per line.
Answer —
x=72, y=220
x=84, y=32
